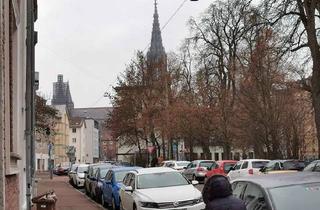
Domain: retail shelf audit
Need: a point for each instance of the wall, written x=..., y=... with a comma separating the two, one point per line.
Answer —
x=61, y=139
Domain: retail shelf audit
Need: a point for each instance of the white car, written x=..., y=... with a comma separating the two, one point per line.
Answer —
x=79, y=175
x=177, y=165
x=247, y=167
x=159, y=188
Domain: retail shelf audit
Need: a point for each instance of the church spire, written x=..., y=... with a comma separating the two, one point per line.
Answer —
x=156, y=50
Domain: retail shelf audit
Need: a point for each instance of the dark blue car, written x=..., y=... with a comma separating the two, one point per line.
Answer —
x=111, y=186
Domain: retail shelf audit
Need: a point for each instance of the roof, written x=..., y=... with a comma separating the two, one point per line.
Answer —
x=96, y=113
x=154, y=170
x=125, y=168
x=283, y=179
x=75, y=122
x=254, y=160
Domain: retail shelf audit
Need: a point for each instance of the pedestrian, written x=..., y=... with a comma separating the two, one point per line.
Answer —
x=217, y=195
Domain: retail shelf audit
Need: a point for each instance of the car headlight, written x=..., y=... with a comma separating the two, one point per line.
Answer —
x=149, y=205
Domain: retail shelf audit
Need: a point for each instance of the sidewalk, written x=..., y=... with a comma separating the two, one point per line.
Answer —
x=68, y=197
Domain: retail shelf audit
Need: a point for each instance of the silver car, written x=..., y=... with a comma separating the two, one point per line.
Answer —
x=197, y=169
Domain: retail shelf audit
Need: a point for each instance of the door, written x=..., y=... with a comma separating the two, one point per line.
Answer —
x=254, y=198
x=244, y=170
x=107, y=187
x=127, y=197
x=191, y=170
x=236, y=172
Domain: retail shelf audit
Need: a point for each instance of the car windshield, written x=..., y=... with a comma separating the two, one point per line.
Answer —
x=184, y=164
x=259, y=164
x=82, y=169
x=290, y=197
x=119, y=175
x=293, y=165
x=206, y=164
x=227, y=167
x=157, y=180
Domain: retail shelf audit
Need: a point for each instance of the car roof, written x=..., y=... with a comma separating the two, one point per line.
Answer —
x=282, y=179
x=254, y=160
x=125, y=168
x=154, y=170
x=83, y=165
x=197, y=161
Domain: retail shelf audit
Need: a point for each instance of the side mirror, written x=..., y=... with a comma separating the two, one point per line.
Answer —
x=185, y=167
x=194, y=182
x=128, y=189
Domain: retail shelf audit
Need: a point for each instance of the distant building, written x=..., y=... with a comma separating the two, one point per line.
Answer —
x=61, y=93
x=106, y=145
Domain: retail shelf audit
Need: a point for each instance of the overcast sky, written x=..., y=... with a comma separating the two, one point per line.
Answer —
x=90, y=42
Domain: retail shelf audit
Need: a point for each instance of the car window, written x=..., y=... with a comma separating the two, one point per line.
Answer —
x=194, y=165
x=189, y=165
x=109, y=176
x=168, y=164
x=317, y=167
x=311, y=166
x=132, y=182
x=277, y=166
x=244, y=165
x=259, y=164
x=227, y=167
x=253, y=198
x=238, y=165
x=238, y=188
x=207, y=164
x=125, y=180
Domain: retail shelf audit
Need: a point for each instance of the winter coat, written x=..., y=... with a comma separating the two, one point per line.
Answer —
x=217, y=195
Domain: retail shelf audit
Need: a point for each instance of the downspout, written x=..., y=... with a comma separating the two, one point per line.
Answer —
x=30, y=90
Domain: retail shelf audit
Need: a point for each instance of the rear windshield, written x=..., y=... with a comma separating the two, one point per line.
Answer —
x=290, y=197
x=259, y=164
x=206, y=164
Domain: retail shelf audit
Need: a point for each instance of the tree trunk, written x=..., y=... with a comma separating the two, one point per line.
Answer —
x=316, y=98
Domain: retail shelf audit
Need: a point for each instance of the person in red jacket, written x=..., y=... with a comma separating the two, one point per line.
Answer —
x=217, y=195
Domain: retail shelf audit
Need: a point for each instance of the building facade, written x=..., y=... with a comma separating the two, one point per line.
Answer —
x=14, y=107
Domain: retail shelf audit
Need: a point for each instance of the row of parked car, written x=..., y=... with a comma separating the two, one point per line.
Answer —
x=264, y=184
x=134, y=188
x=200, y=170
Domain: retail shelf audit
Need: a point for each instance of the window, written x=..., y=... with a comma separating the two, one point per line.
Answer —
x=216, y=156
x=238, y=188
x=74, y=140
x=127, y=179
x=253, y=198
x=109, y=176
x=311, y=166
x=317, y=167
x=238, y=165
x=244, y=165
x=74, y=130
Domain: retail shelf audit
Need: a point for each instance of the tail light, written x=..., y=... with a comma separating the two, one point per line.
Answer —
x=200, y=169
x=250, y=171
